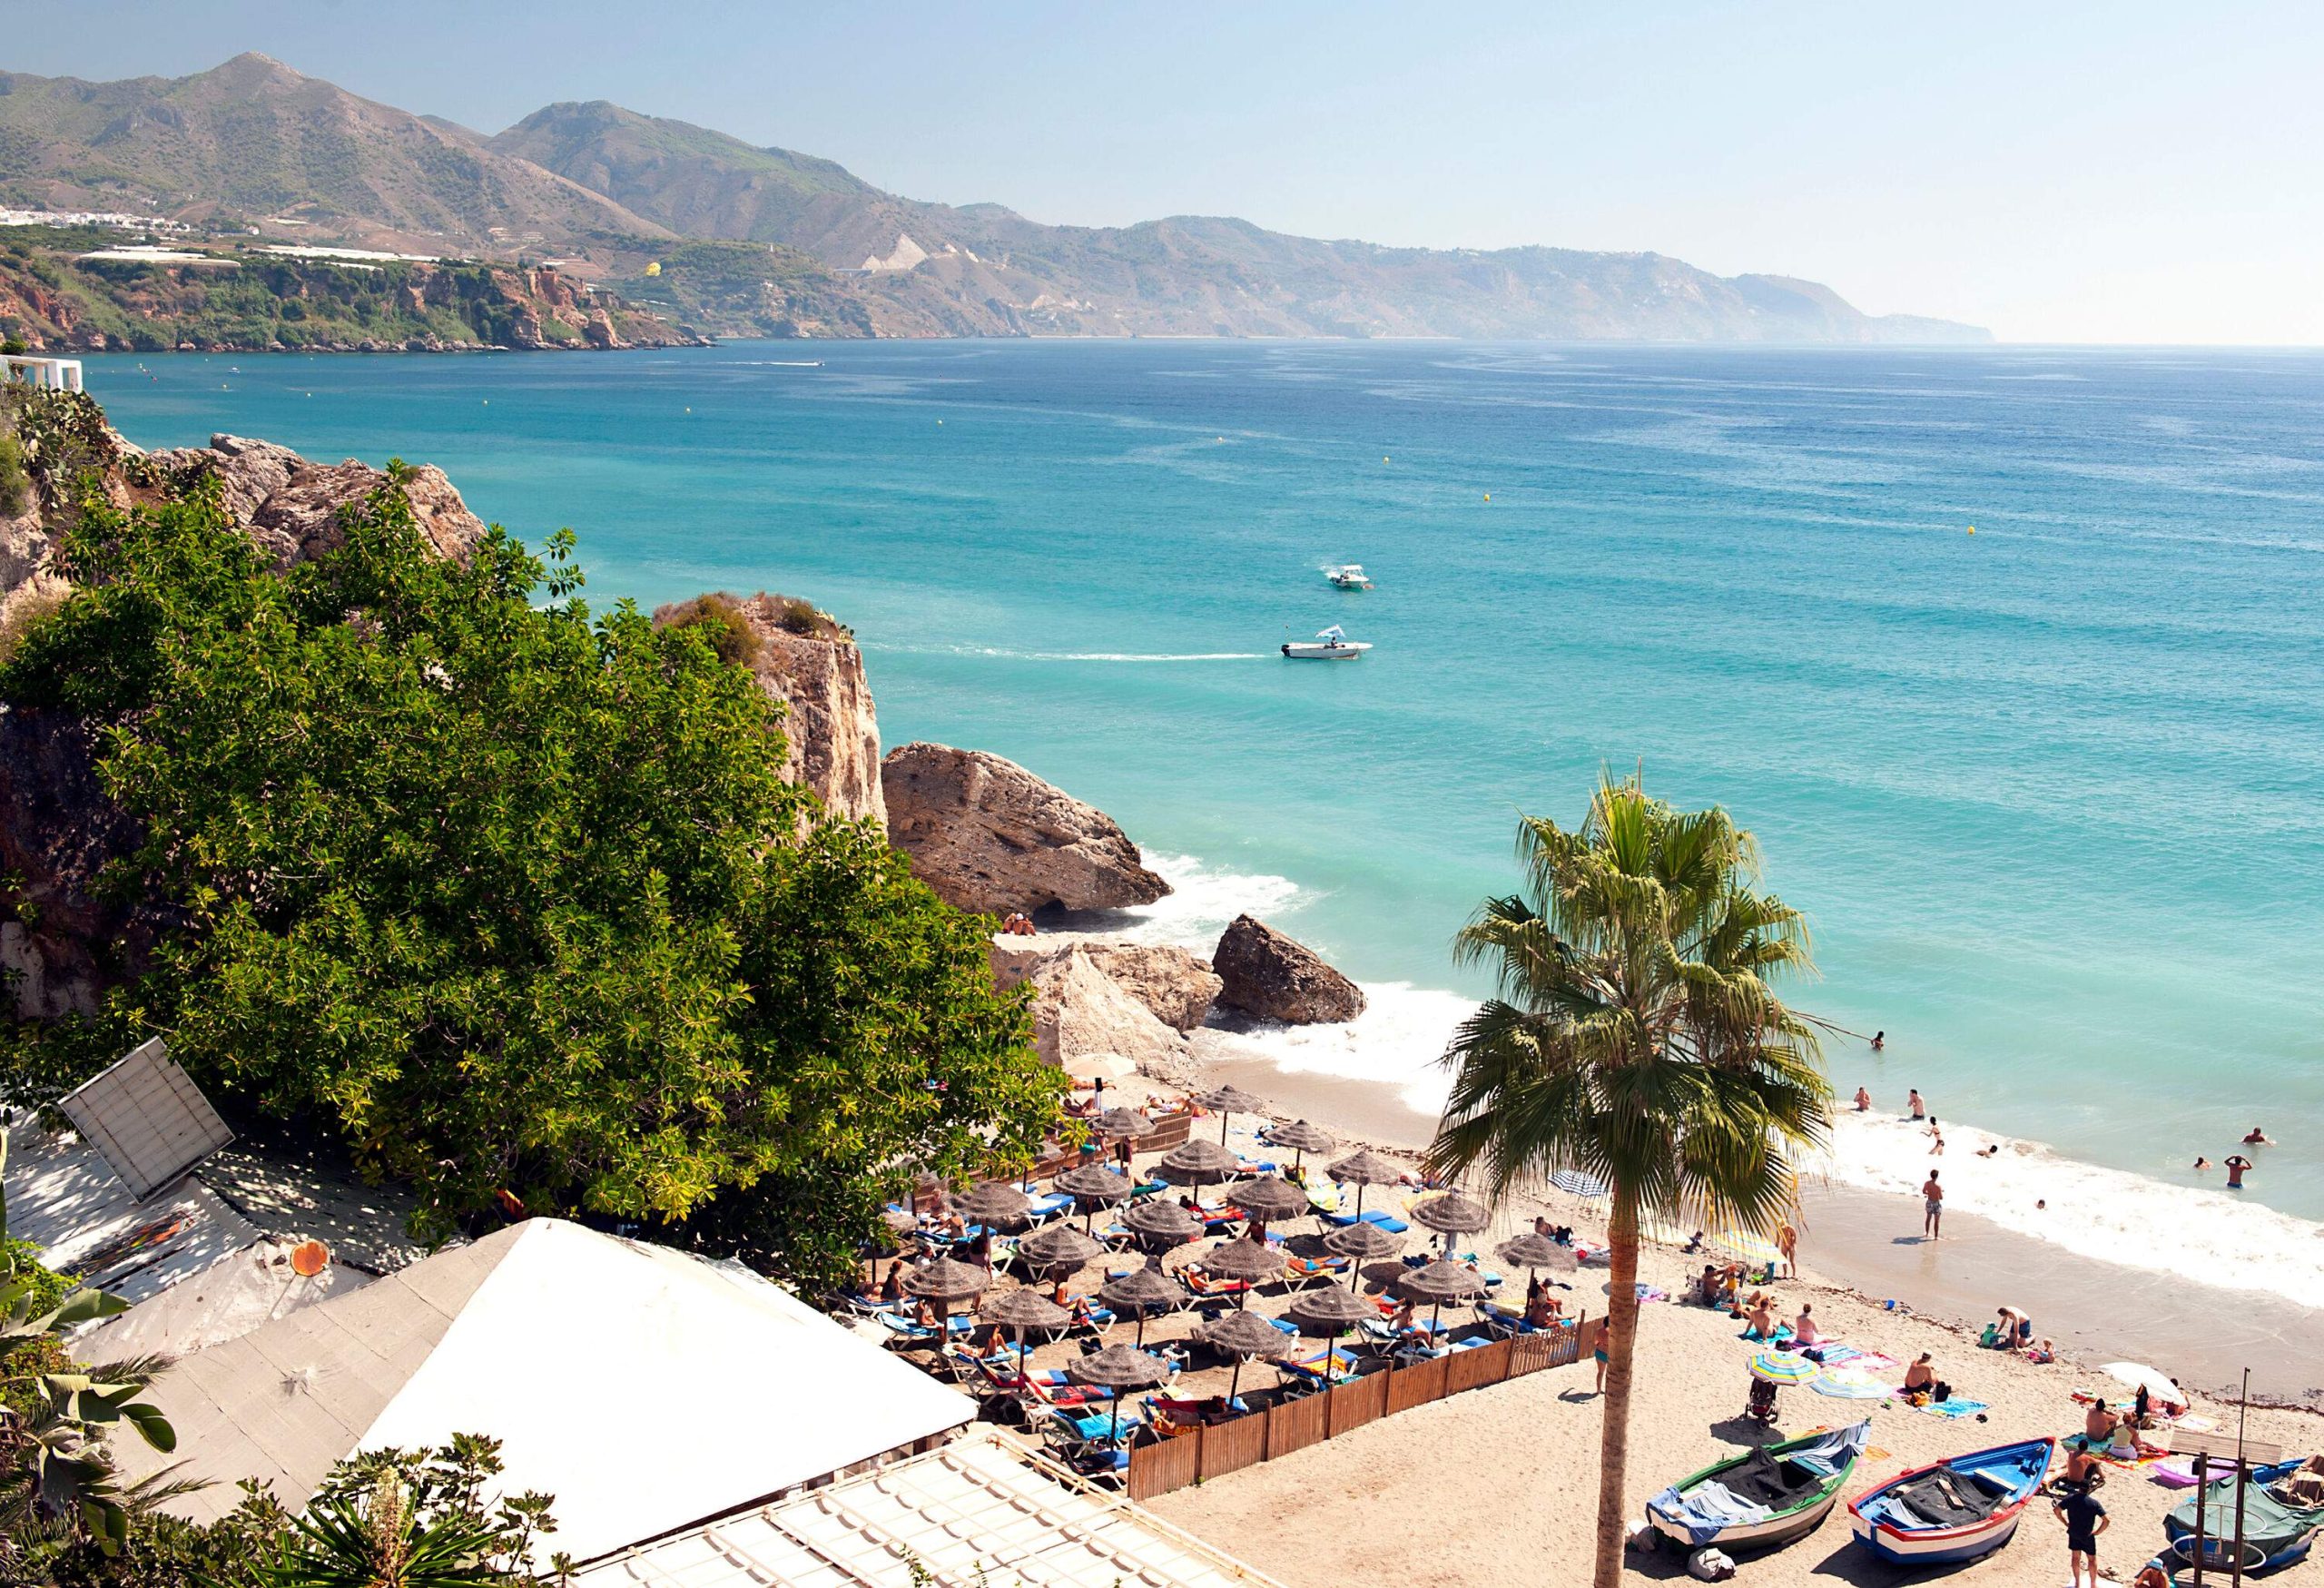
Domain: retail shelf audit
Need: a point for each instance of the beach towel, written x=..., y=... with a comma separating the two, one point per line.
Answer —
x=1864, y=1361
x=1646, y=1292
x=1783, y=1333
x=2148, y=1454
x=1956, y=1407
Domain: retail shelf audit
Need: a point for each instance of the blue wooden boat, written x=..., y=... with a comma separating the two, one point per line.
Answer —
x=1960, y=1509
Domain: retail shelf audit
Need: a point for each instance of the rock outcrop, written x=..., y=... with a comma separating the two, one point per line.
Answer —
x=1077, y=1009
x=990, y=836
x=291, y=505
x=62, y=944
x=1177, y=988
x=1273, y=977
x=831, y=725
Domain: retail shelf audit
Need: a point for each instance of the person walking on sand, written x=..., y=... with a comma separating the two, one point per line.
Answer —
x=1787, y=1243
x=2085, y=1519
x=2235, y=1167
x=1912, y=1101
x=1931, y=1208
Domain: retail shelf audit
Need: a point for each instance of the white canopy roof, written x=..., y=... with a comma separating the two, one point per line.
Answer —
x=643, y=1387
x=977, y=1511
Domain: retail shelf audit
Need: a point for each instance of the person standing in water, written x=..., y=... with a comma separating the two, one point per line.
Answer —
x=1862, y=1100
x=1931, y=1208
x=1918, y=1109
x=2235, y=1167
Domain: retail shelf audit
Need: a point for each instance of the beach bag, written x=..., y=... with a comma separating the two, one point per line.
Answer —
x=1710, y=1565
x=1940, y=1392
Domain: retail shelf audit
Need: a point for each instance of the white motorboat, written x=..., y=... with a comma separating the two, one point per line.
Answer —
x=1330, y=645
x=1349, y=576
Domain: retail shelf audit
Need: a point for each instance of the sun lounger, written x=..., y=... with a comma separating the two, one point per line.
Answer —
x=1201, y=1283
x=905, y=1330
x=1308, y=1373
x=1387, y=1222
x=1307, y=1270
x=1047, y=1208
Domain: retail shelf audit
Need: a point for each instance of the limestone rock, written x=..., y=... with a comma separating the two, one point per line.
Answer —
x=1077, y=1009
x=831, y=724
x=1177, y=987
x=987, y=836
x=291, y=505
x=1273, y=977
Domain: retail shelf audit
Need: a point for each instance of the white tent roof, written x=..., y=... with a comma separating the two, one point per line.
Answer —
x=643, y=1387
x=978, y=1510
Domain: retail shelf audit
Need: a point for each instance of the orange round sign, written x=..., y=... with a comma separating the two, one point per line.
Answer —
x=308, y=1259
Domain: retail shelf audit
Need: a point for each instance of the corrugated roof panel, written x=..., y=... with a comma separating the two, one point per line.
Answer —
x=147, y=1117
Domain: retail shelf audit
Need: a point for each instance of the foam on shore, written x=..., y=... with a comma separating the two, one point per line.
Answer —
x=2214, y=1235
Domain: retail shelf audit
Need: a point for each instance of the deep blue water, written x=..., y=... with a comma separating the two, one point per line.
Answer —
x=2052, y=792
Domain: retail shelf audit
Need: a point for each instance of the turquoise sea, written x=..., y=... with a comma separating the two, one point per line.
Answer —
x=2052, y=792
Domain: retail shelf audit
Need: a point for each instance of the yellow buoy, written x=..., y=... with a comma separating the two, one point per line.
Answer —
x=1972, y=528
x=1488, y=496
x=1383, y=459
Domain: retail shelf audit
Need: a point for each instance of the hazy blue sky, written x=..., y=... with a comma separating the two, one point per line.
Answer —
x=2127, y=171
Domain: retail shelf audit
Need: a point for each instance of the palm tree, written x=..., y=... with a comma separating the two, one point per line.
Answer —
x=1634, y=1036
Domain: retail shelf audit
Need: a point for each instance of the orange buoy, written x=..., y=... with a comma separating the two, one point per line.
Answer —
x=308, y=1259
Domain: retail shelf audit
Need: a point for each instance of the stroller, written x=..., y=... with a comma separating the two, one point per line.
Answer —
x=1762, y=1406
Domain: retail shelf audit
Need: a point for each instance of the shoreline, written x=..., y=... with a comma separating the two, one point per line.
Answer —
x=1868, y=1243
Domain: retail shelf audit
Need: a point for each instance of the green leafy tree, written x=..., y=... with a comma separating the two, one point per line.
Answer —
x=512, y=896
x=1634, y=1035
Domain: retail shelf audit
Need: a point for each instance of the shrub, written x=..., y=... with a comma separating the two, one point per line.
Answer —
x=16, y=481
x=719, y=619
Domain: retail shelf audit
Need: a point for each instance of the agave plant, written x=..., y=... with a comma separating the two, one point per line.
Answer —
x=412, y=1519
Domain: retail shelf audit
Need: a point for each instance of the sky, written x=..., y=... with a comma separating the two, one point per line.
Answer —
x=2056, y=171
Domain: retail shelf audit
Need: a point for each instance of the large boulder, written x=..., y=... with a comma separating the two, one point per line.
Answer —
x=990, y=836
x=1077, y=1009
x=1268, y=974
x=1177, y=987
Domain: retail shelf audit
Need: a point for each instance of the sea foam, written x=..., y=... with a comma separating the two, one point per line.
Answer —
x=2215, y=1236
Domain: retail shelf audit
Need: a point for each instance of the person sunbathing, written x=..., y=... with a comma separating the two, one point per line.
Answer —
x=1707, y=1287
x=1920, y=1376
x=2098, y=1425
x=1403, y=1320
x=1762, y=1316
x=892, y=1288
x=1804, y=1331
x=1544, y=1309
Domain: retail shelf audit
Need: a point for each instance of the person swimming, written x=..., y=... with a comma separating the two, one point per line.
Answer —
x=1879, y=1041
x=2258, y=1138
x=2202, y=1162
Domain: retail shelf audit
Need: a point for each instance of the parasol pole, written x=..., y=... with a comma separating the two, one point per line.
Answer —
x=2202, y=1483
x=2243, y=1415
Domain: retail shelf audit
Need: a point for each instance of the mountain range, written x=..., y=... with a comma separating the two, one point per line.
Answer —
x=723, y=236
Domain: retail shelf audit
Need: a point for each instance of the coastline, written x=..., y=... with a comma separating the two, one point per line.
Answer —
x=1868, y=1243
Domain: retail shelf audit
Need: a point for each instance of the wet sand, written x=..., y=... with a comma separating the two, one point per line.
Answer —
x=1870, y=1242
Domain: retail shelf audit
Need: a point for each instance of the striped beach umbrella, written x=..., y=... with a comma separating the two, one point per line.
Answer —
x=1783, y=1368
x=1851, y=1387
x=1578, y=1182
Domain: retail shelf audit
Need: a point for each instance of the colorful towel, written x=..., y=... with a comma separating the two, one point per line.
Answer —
x=1956, y=1407
x=2148, y=1454
x=1864, y=1361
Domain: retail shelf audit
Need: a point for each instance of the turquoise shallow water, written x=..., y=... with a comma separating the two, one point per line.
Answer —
x=2053, y=795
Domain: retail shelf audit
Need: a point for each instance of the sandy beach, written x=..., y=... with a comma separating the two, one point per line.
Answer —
x=1457, y=1493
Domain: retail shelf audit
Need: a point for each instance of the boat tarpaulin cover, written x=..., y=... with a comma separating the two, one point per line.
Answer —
x=1948, y=1498
x=2268, y=1522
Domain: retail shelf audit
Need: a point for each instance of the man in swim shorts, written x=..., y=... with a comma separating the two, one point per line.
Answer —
x=1932, y=1207
x=1912, y=1101
x=2085, y=1519
x=2235, y=1167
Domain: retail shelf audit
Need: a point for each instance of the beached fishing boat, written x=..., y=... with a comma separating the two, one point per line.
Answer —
x=1961, y=1509
x=1330, y=645
x=1764, y=1498
x=1349, y=576
x=2278, y=1530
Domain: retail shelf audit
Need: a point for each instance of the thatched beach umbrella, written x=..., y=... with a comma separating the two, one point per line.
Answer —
x=1536, y=1252
x=1199, y=1163
x=1302, y=1138
x=1439, y=1282
x=1094, y=1186
x=1022, y=1309
x=1121, y=1124
x=1359, y=1244
x=1162, y=1221
x=1452, y=1213
x=1367, y=1169
x=1267, y=1199
x=1329, y=1313
x=945, y=1282
x=1060, y=1246
x=1118, y=1368
x=1139, y=1290
x=1253, y=1262
x=1244, y=1336
x=1229, y=1100
x=995, y=1202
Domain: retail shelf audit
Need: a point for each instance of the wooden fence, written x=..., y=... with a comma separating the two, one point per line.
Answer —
x=1218, y=1448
